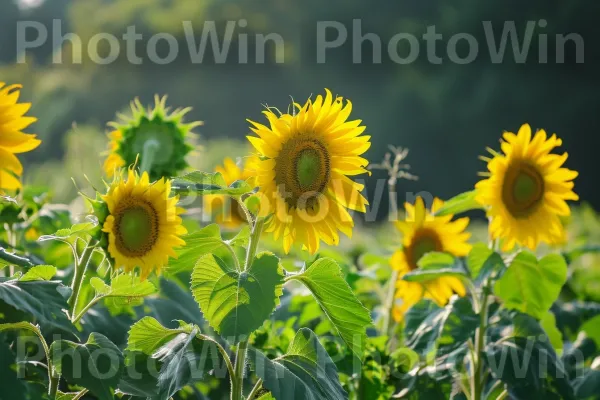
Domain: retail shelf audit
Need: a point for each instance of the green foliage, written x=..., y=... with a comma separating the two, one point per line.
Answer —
x=349, y=317
x=202, y=183
x=39, y=273
x=204, y=241
x=459, y=204
x=96, y=365
x=305, y=372
x=435, y=265
x=532, y=286
x=234, y=302
x=43, y=301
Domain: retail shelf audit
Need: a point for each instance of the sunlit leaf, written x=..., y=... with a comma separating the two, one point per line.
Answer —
x=197, y=244
x=39, y=273
x=436, y=265
x=349, y=317
x=531, y=286
x=147, y=335
x=484, y=263
x=235, y=303
x=459, y=204
x=305, y=372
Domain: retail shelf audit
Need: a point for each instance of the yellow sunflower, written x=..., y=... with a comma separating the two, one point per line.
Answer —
x=226, y=210
x=303, y=172
x=422, y=233
x=12, y=139
x=526, y=190
x=143, y=223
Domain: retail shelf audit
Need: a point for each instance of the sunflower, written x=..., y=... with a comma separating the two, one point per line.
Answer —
x=226, y=210
x=422, y=233
x=157, y=126
x=12, y=139
x=303, y=172
x=142, y=223
x=526, y=190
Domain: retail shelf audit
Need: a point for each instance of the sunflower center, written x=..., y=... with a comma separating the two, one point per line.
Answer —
x=162, y=133
x=136, y=229
x=425, y=241
x=302, y=171
x=523, y=189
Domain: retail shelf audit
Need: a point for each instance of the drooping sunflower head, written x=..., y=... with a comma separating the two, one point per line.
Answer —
x=526, y=189
x=422, y=232
x=303, y=172
x=12, y=139
x=226, y=211
x=159, y=126
x=142, y=223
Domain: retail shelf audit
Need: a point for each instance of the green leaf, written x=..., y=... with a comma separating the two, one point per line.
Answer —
x=148, y=335
x=305, y=372
x=124, y=285
x=484, y=263
x=39, y=273
x=531, y=286
x=436, y=265
x=185, y=360
x=96, y=365
x=548, y=323
x=206, y=240
x=203, y=183
x=459, y=204
x=11, y=388
x=527, y=363
x=587, y=386
x=350, y=318
x=8, y=258
x=43, y=300
x=181, y=355
x=236, y=303
x=436, y=332
x=242, y=238
x=82, y=230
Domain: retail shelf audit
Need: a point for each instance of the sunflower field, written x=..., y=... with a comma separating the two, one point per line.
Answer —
x=209, y=241
x=253, y=281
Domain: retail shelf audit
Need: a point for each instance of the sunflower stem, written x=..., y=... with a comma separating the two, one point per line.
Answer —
x=81, y=265
x=389, y=303
x=255, y=390
x=478, y=381
x=151, y=147
x=237, y=381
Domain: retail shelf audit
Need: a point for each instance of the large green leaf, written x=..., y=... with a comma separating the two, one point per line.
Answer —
x=16, y=390
x=436, y=265
x=202, y=183
x=197, y=244
x=531, y=286
x=459, y=204
x=527, y=363
x=236, y=303
x=350, y=318
x=180, y=357
x=305, y=372
x=147, y=335
x=43, y=300
x=484, y=263
x=434, y=331
x=587, y=386
x=96, y=365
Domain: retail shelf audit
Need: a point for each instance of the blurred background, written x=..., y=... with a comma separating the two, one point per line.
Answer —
x=445, y=113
